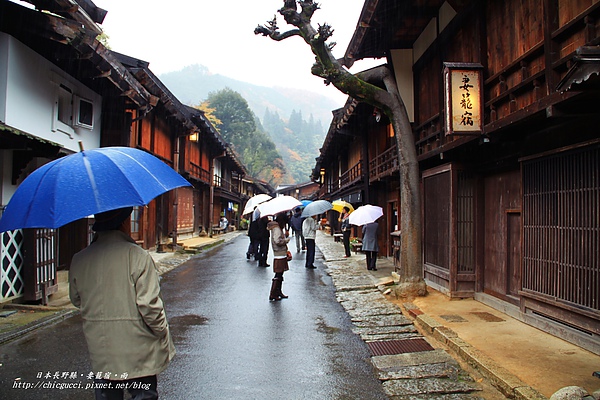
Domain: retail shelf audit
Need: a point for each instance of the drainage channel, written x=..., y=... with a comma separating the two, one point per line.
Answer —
x=391, y=347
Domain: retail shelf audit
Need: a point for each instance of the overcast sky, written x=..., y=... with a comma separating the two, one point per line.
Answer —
x=219, y=34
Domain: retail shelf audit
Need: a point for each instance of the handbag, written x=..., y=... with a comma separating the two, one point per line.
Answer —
x=289, y=255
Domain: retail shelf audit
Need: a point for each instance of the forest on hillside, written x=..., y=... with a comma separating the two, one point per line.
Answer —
x=277, y=151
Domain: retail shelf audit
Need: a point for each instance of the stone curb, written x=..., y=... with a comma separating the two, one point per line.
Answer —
x=508, y=384
x=60, y=315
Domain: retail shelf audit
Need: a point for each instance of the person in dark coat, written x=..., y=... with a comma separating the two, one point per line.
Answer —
x=345, y=228
x=254, y=238
x=369, y=244
x=296, y=224
x=263, y=242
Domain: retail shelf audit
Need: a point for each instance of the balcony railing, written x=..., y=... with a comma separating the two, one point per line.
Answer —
x=353, y=175
x=348, y=178
x=384, y=164
x=199, y=173
x=224, y=184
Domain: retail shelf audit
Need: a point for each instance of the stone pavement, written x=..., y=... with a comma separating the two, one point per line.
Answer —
x=406, y=362
x=520, y=361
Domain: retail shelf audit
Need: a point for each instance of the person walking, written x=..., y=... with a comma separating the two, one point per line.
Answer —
x=345, y=228
x=115, y=284
x=309, y=230
x=296, y=224
x=370, y=246
x=279, y=242
x=253, y=234
x=263, y=242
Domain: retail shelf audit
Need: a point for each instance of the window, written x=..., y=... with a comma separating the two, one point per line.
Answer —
x=71, y=111
x=83, y=113
x=63, y=105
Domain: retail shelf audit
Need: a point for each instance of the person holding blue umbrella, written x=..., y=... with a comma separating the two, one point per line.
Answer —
x=115, y=284
x=309, y=230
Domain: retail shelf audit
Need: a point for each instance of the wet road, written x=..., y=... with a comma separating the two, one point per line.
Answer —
x=232, y=342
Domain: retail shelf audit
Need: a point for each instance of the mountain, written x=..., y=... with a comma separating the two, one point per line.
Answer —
x=192, y=84
x=296, y=120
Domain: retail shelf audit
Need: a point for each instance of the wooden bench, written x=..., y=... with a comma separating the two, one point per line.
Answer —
x=356, y=247
x=337, y=237
x=218, y=229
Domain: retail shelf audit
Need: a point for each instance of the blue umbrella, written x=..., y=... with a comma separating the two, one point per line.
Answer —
x=86, y=183
x=305, y=202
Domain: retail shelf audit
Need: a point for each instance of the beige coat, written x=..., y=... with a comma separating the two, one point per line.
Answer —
x=115, y=283
x=278, y=240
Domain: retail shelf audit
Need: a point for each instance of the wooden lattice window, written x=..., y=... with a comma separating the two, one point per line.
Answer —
x=465, y=222
x=561, y=227
x=436, y=203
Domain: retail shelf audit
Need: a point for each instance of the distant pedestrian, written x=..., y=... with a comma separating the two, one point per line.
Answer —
x=224, y=224
x=370, y=246
x=263, y=242
x=115, y=284
x=345, y=228
x=296, y=224
x=309, y=230
x=279, y=241
x=253, y=235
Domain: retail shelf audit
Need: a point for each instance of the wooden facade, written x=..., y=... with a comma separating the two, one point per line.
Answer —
x=358, y=164
x=511, y=212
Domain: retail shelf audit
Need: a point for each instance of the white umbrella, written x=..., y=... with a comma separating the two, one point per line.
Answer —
x=255, y=201
x=365, y=214
x=316, y=207
x=278, y=205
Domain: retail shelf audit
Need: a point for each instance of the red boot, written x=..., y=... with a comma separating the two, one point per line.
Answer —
x=279, y=293
x=274, y=296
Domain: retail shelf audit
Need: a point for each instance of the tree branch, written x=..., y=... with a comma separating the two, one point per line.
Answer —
x=277, y=36
x=272, y=30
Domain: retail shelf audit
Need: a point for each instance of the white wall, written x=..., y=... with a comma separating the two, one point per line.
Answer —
x=29, y=86
x=402, y=60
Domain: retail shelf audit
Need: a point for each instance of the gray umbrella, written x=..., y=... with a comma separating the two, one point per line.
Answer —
x=316, y=207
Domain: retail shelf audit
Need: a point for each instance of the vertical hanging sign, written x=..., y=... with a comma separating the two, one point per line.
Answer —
x=463, y=97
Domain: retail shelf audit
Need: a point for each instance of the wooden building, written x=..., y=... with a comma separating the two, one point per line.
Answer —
x=300, y=191
x=51, y=66
x=358, y=163
x=503, y=99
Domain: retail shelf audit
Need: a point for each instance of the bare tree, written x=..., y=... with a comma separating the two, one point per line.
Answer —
x=363, y=87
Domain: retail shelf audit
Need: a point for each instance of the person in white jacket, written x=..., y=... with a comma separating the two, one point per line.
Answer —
x=309, y=230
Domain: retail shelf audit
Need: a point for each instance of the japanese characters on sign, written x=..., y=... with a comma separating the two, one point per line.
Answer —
x=463, y=99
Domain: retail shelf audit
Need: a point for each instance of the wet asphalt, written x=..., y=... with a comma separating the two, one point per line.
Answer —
x=231, y=341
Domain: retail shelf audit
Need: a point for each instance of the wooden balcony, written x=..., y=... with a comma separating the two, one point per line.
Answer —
x=383, y=165
x=346, y=179
x=197, y=172
x=225, y=185
x=521, y=88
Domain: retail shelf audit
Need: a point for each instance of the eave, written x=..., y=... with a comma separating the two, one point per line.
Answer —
x=391, y=24
x=70, y=44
